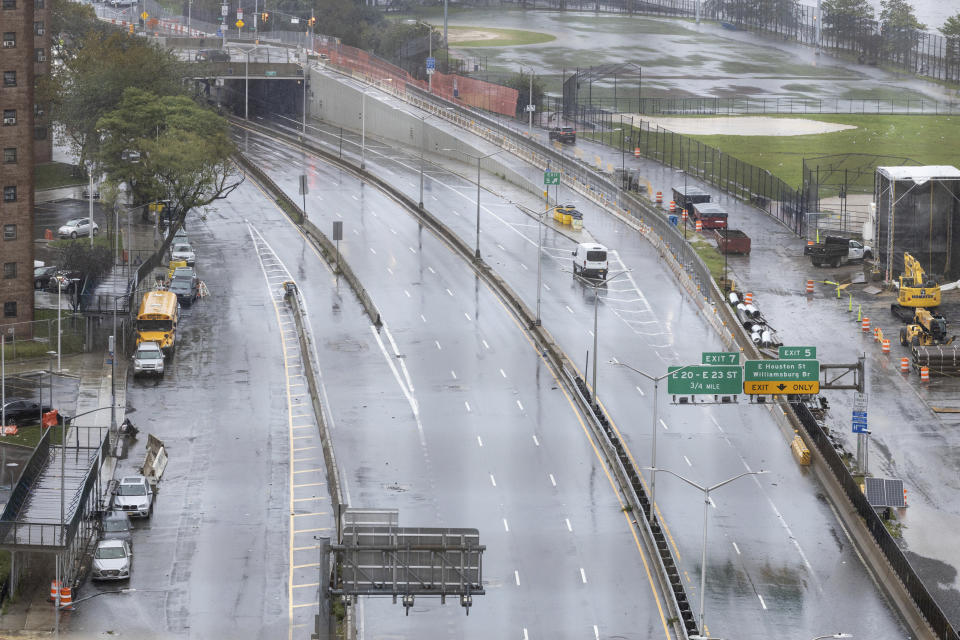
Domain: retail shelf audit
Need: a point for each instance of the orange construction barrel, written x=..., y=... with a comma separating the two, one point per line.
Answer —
x=904, y=365
x=924, y=374
x=865, y=325
x=809, y=286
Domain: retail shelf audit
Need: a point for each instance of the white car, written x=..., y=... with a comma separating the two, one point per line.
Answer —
x=183, y=251
x=111, y=560
x=148, y=359
x=135, y=496
x=77, y=227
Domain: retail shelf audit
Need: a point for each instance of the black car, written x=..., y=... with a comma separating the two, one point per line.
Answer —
x=187, y=289
x=212, y=55
x=42, y=275
x=563, y=134
x=116, y=526
x=21, y=412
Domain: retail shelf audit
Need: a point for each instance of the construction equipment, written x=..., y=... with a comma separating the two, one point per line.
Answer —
x=916, y=292
x=927, y=330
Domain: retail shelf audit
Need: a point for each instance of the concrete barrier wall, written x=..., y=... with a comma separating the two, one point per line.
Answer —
x=340, y=104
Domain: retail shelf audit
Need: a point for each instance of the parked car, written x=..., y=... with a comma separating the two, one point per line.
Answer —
x=135, y=496
x=180, y=236
x=116, y=526
x=77, y=227
x=183, y=251
x=186, y=287
x=42, y=275
x=111, y=560
x=148, y=359
x=212, y=55
x=65, y=281
x=179, y=272
x=20, y=411
x=563, y=134
x=96, y=194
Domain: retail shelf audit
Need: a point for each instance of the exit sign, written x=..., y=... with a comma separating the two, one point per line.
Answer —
x=798, y=353
x=720, y=357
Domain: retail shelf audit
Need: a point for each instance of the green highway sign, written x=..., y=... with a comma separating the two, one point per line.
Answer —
x=798, y=353
x=696, y=380
x=782, y=370
x=551, y=177
x=719, y=357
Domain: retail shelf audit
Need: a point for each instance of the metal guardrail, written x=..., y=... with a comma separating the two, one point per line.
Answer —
x=921, y=596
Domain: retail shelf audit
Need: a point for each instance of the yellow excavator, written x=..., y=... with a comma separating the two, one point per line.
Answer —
x=928, y=330
x=916, y=292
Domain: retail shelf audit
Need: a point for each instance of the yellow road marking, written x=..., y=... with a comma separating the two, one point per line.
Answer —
x=309, y=604
x=308, y=471
x=309, y=484
x=314, y=513
x=304, y=448
x=307, y=548
x=311, y=498
x=309, y=584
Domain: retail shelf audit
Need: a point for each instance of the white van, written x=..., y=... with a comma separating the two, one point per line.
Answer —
x=590, y=261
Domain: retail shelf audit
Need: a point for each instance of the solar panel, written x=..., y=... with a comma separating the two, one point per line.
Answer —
x=884, y=492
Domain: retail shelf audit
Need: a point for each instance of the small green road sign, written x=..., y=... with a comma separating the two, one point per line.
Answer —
x=798, y=353
x=270, y=74
x=719, y=357
x=782, y=370
x=551, y=177
x=697, y=380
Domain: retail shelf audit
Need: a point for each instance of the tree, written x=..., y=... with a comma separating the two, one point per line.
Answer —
x=847, y=22
x=184, y=151
x=951, y=31
x=521, y=82
x=91, y=81
x=900, y=29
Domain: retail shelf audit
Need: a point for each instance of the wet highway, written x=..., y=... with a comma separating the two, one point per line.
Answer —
x=449, y=415
x=909, y=440
x=777, y=554
x=229, y=550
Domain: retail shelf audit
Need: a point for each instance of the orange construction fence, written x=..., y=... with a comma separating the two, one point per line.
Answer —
x=469, y=91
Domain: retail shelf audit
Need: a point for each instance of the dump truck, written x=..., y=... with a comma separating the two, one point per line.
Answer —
x=837, y=250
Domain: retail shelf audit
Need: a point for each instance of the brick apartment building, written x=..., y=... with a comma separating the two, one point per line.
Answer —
x=24, y=52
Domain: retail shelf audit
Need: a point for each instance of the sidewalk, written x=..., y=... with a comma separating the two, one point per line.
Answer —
x=32, y=614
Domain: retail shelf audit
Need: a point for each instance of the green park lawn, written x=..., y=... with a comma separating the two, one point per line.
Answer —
x=497, y=37
x=924, y=139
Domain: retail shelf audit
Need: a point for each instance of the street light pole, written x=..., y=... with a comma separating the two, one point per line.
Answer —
x=363, y=129
x=59, y=313
x=656, y=417
x=706, y=501
x=596, y=299
x=476, y=255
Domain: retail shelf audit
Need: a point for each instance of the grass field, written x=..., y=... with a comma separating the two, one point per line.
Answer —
x=55, y=174
x=488, y=37
x=926, y=139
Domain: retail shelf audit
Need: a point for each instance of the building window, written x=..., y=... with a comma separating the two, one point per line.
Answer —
x=39, y=55
x=37, y=110
x=39, y=133
x=10, y=193
x=9, y=309
x=9, y=155
x=9, y=270
x=9, y=39
x=9, y=4
x=38, y=28
x=9, y=232
x=38, y=4
x=9, y=78
x=9, y=117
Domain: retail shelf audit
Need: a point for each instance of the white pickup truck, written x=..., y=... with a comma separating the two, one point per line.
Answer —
x=837, y=250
